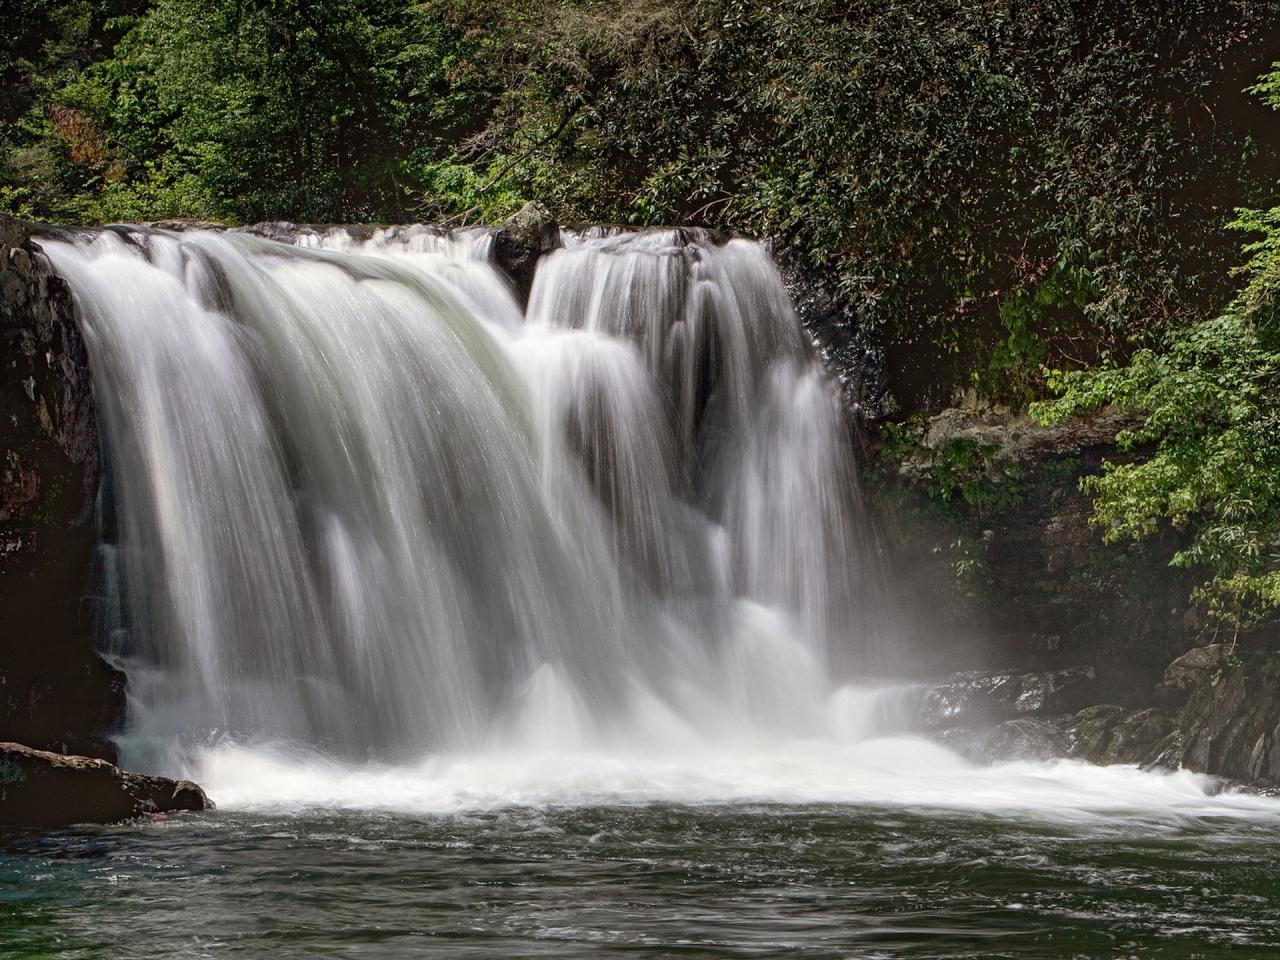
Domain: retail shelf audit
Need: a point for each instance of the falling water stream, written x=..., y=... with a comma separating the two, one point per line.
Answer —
x=362, y=504
x=433, y=592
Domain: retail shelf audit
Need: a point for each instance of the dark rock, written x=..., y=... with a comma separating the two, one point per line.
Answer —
x=838, y=333
x=55, y=692
x=1192, y=670
x=43, y=789
x=977, y=697
x=524, y=239
x=1023, y=739
x=1107, y=733
x=1167, y=754
x=1088, y=732
x=1231, y=722
x=1138, y=737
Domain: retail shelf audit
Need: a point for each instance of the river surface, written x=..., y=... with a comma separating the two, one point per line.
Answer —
x=1067, y=861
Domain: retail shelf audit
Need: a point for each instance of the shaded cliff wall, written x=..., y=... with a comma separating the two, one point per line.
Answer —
x=55, y=692
x=986, y=526
x=987, y=532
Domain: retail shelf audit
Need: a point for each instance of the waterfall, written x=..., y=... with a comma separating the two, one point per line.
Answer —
x=359, y=500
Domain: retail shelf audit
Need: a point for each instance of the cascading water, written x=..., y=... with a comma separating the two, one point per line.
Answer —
x=362, y=503
x=376, y=537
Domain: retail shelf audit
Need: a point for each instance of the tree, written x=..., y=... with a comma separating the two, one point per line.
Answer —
x=1210, y=405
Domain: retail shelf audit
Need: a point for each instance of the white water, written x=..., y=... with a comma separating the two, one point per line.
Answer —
x=364, y=511
x=890, y=772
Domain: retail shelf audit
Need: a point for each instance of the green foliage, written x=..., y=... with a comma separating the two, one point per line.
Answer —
x=1211, y=405
x=244, y=110
x=973, y=174
x=1037, y=317
x=992, y=185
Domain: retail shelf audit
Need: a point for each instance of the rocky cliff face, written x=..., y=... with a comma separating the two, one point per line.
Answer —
x=55, y=692
x=989, y=532
x=984, y=516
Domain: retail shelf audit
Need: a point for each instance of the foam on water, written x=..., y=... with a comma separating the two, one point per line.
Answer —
x=906, y=772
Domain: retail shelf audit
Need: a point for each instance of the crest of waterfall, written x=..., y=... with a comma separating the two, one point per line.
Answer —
x=358, y=500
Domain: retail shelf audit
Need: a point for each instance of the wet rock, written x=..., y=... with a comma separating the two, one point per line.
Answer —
x=1023, y=739
x=55, y=692
x=1088, y=732
x=1192, y=670
x=183, y=225
x=1107, y=733
x=1231, y=722
x=841, y=337
x=1167, y=754
x=519, y=243
x=1138, y=737
x=975, y=698
x=43, y=789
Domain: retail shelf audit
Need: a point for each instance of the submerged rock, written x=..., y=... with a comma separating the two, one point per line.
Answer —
x=43, y=789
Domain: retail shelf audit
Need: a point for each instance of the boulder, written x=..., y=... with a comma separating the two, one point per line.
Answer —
x=1193, y=669
x=43, y=789
x=520, y=242
x=1231, y=722
x=974, y=698
x=1138, y=737
x=1088, y=732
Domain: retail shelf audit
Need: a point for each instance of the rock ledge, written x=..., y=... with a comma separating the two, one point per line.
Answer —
x=42, y=789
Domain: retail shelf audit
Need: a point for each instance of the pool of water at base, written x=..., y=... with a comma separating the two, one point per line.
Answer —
x=645, y=880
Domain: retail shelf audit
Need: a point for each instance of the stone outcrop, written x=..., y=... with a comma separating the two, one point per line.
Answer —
x=995, y=716
x=55, y=692
x=1196, y=668
x=976, y=697
x=838, y=334
x=1022, y=739
x=1011, y=440
x=43, y=789
x=1220, y=715
x=1230, y=724
x=519, y=243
